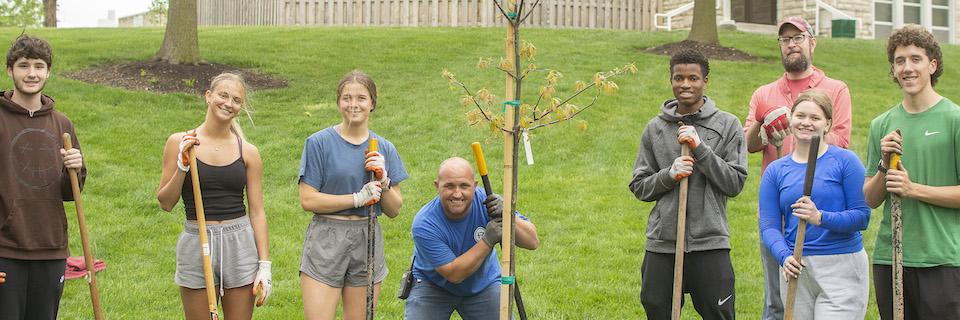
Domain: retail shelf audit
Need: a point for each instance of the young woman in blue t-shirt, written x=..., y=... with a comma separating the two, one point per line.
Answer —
x=227, y=165
x=334, y=186
x=833, y=274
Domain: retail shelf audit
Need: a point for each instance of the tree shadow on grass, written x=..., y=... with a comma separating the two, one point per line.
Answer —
x=162, y=77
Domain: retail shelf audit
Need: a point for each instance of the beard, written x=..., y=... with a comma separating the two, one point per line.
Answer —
x=796, y=65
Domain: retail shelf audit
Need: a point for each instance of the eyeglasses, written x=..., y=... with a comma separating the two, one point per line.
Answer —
x=797, y=39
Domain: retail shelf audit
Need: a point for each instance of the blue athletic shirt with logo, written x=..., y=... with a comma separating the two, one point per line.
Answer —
x=438, y=241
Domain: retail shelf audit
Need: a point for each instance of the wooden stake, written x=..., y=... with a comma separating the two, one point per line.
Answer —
x=897, y=237
x=681, y=241
x=802, y=226
x=371, y=239
x=204, y=242
x=84, y=238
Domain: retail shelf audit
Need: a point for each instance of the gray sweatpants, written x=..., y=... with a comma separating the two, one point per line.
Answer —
x=831, y=287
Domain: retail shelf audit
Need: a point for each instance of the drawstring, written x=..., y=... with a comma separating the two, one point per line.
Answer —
x=210, y=235
x=221, y=260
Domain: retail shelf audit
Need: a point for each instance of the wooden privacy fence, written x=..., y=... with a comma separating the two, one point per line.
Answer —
x=605, y=14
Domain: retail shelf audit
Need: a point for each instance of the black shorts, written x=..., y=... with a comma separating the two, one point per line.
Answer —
x=707, y=276
x=33, y=288
x=928, y=293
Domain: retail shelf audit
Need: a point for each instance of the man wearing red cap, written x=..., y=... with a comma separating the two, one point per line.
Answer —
x=766, y=125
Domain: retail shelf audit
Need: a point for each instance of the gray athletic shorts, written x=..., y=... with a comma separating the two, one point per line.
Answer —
x=233, y=254
x=335, y=252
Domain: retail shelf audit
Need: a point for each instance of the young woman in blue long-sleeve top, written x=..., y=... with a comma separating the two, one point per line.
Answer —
x=833, y=274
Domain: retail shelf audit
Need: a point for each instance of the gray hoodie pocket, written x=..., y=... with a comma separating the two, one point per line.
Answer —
x=712, y=221
x=663, y=223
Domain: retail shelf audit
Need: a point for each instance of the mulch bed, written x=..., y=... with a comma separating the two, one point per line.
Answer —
x=157, y=76
x=710, y=50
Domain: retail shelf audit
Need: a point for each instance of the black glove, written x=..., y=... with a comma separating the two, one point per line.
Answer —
x=493, y=232
x=494, y=204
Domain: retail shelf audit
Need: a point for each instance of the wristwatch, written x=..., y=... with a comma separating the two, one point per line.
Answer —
x=881, y=168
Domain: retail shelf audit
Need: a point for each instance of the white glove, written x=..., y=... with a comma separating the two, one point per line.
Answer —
x=263, y=281
x=368, y=195
x=688, y=135
x=776, y=124
x=682, y=167
x=183, y=158
x=376, y=163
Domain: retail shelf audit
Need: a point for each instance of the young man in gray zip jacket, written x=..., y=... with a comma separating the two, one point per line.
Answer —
x=716, y=170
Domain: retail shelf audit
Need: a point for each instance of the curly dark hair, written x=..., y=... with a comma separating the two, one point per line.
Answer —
x=31, y=48
x=918, y=36
x=690, y=56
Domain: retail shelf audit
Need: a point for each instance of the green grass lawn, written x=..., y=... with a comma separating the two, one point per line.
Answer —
x=591, y=226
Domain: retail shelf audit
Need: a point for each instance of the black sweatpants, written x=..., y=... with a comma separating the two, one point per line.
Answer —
x=32, y=290
x=928, y=293
x=707, y=277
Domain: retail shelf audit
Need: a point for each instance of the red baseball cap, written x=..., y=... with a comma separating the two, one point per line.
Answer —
x=798, y=22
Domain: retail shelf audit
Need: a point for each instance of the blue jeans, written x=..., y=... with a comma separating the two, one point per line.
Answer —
x=430, y=302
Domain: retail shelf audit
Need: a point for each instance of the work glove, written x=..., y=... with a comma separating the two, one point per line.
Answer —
x=368, y=195
x=776, y=122
x=688, y=135
x=186, y=143
x=493, y=232
x=377, y=164
x=682, y=167
x=263, y=282
x=494, y=204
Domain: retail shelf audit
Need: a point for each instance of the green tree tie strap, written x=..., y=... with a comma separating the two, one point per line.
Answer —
x=508, y=280
x=514, y=103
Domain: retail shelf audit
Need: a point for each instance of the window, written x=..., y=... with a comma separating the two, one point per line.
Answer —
x=935, y=15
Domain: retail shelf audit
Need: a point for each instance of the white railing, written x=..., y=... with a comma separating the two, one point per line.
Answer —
x=820, y=5
x=668, y=16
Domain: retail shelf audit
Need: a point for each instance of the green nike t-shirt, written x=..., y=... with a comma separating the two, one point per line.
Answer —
x=931, y=143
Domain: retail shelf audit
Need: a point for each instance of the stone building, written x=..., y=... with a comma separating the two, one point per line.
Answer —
x=872, y=19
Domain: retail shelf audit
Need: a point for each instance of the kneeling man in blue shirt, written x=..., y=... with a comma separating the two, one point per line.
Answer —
x=455, y=266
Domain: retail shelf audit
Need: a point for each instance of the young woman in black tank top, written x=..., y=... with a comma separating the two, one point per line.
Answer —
x=227, y=165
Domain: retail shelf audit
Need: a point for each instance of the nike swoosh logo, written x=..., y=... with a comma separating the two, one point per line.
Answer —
x=721, y=302
x=928, y=133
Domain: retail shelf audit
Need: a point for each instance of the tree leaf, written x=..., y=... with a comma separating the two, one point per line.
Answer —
x=610, y=88
x=483, y=63
x=579, y=85
x=582, y=126
x=467, y=100
x=527, y=50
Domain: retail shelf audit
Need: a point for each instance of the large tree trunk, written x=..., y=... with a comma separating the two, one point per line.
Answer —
x=704, y=28
x=50, y=13
x=180, y=45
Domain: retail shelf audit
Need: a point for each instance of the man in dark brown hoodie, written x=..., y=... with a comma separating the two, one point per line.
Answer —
x=33, y=185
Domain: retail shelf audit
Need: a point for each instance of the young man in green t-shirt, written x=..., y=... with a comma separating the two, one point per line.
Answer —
x=927, y=180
